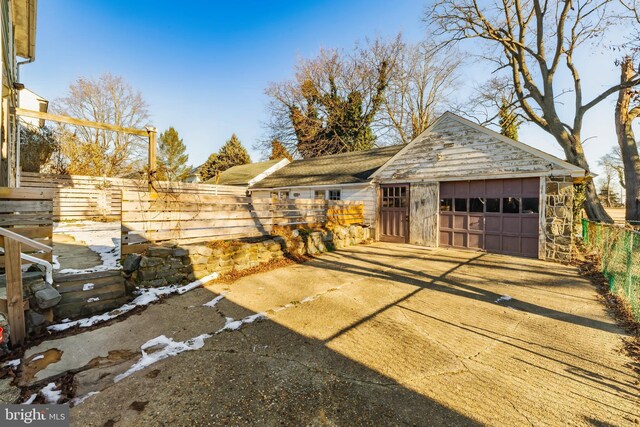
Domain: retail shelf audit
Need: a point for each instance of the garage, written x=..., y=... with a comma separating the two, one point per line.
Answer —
x=499, y=216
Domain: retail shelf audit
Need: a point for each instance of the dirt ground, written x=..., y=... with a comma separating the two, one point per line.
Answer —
x=373, y=335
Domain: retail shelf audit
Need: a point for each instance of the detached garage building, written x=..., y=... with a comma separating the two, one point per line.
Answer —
x=456, y=185
x=465, y=186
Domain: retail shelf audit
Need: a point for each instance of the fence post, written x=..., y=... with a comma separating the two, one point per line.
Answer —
x=15, y=304
x=585, y=234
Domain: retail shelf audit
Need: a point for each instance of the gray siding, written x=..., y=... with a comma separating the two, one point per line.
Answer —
x=423, y=214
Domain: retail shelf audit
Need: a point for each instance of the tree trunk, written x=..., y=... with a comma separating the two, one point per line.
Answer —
x=628, y=146
x=575, y=155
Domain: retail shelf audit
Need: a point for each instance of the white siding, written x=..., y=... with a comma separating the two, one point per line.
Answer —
x=455, y=150
x=365, y=193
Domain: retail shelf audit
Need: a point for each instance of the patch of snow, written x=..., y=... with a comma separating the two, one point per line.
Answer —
x=102, y=238
x=233, y=325
x=11, y=363
x=38, y=357
x=30, y=400
x=94, y=299
x=169, y=348
x=87, y=286
x=146, y=297
x=55, y=263
x=504, y=298
x=50, y=394
x=78, y=400
x=215, y=301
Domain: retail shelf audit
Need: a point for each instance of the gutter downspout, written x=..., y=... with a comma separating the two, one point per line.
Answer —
x=18, y=165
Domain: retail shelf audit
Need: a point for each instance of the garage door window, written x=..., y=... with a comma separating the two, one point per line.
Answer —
x=493, y=205
x=460, y=205
x=511, y=205
x=530, y=205
x=476, y=204
x=445, y=205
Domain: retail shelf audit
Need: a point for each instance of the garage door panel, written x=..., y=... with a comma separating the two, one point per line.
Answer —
x=460, y=222
x=501, y=215
x=530, y=225
x=511, y=244
x=461, y=188
x=446, y=238
x=476, y=222
x=511, y=225
x=476, y=241
x=493, y=188
x=529, y=246
x=460, y=240
x=493, y=242
x=512, y=186
x=493, y=223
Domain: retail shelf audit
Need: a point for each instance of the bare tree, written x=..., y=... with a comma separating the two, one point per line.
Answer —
x=531, y=40
x=626, y=111
x=613, y=170
x=420, y=84
x=332, y=103
x=108, y=99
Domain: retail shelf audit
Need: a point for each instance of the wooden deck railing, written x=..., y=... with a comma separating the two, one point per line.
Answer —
x=26, y=225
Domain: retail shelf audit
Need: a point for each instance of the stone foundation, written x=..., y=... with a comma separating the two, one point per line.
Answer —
x=558, y=218
x=171, y=264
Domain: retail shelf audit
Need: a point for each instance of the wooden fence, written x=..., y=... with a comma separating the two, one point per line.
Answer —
x=28, y=212
x=85, y=197
x=189, y=218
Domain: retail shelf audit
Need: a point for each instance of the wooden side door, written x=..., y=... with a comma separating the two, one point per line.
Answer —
x=394, y=213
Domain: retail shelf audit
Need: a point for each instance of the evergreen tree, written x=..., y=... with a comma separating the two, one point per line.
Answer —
x=231, y=154
x=172, y=157
x=278, y=151
x=509, y=122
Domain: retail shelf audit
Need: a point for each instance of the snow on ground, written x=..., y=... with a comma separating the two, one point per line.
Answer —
x=38, y=357
x=11, y=363
x=504, y=298
x=216, y=300
x=145, y=297
x=50, y=393
x=102, y=238
x=30, y=400
x=169, y=347
x=78, y=400
x=87, y=286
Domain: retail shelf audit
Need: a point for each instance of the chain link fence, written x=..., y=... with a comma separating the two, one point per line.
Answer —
x=619, y=250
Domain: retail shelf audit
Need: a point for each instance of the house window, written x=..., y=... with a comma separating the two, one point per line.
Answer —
x=334, y=194
x=319, y=195
x=493, y=205
x=446, y=205
x=284, y=195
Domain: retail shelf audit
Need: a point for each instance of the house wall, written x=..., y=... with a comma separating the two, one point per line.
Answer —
x=365, y=193
x=423, y=214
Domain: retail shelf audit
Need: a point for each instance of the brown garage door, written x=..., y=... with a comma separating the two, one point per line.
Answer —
x=499, y=215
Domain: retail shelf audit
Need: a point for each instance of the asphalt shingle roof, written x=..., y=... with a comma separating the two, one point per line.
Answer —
x=345, y=168
x=242, y=174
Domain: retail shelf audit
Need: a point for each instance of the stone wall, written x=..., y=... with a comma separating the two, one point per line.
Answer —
x=170, y=264
x=558, y=225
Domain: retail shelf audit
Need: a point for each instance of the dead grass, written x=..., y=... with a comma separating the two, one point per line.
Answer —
x=590, y=267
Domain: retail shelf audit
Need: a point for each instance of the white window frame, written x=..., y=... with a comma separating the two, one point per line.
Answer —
x=328, y=196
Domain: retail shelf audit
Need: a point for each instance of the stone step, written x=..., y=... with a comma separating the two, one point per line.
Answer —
x=28, y=278
x=70, y=277
x=75, y=310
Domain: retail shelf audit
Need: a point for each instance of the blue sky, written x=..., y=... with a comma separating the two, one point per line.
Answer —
x=203, y=66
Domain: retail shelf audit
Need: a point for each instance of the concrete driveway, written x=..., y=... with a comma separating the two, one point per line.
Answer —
x=384, y=335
